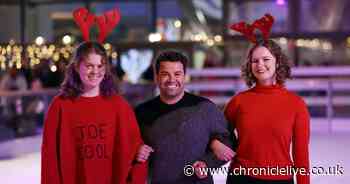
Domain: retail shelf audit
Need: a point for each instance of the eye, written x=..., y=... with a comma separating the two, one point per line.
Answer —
x=89, y=67
x=162, y=74
x=254, y=61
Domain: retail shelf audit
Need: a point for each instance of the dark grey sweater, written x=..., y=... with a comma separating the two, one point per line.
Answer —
x=180, y=135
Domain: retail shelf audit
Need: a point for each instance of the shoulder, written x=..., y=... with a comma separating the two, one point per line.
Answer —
x=197, y=99
x=202, y=102
x=57, y=103
x=61, y=101
x=236, y=98
x=243, y=94
x=58, y=100
x=296, y=102
x=149, y=104
x=236, y=101
x=118, y=100
x=295, y=98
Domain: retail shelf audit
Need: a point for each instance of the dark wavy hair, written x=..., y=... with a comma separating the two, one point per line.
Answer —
x=283, y=70
x=170, y=56
x=72, y=86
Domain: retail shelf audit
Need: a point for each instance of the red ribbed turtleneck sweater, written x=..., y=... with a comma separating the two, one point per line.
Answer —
x=268, y=120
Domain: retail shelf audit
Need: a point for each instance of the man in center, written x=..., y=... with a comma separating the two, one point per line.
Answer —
x=181, y=129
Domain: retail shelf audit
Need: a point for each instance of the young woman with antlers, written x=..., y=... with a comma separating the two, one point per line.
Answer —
x=90, y=133
x=268, y=119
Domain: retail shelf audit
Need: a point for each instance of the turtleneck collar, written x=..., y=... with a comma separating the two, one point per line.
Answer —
x=275, y=88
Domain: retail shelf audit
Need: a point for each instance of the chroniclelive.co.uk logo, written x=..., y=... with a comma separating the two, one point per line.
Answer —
x=269, y=171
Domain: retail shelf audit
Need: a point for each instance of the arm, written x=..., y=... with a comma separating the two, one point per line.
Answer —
x=223, y=146
x=231, y=113
x=218, y=132
x=145, y=150
x=222, y=151
x=132, y=140
x=301, y=136
x=49, y=149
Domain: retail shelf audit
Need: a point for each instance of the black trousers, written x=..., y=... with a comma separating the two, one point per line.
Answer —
x=242, y=179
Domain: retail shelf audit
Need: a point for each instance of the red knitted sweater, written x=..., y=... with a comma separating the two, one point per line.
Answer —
x=270, y=121
x=91, y=140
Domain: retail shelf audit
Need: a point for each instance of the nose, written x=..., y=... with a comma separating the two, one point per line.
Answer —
x=259, y=62
x=171, y=78
x=94, y=69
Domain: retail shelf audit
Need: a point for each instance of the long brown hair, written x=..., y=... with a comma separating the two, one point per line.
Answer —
x=72, y=86
x=283, y=70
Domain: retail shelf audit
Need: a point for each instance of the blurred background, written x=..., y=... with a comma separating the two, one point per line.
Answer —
x=37, y=38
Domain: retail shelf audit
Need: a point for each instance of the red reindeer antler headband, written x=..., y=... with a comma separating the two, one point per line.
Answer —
x=264, y=24
x=106, y=22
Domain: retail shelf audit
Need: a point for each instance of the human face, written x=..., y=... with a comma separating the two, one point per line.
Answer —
x=263, y=65
x=91, y=71
x=170, y=80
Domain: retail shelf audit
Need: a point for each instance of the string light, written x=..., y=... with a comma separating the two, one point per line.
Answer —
x=210, y=42
x=53, y=68
x=218, y=38
x=67, y=40
x=11, y=53
x=154, y=37
x=107, y=46
x=177, y=24
x=39, y=40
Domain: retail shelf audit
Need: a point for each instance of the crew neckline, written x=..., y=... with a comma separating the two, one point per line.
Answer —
x=90, y=98
x=174, y=104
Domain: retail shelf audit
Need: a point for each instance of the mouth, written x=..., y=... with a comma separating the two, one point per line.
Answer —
x=171, y=86
x=261, y=70
x=94, y=77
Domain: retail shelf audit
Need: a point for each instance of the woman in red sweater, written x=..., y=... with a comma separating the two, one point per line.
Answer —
x=90, y=133
x=269, y=121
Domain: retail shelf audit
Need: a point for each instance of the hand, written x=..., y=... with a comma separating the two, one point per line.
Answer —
x=221, y=151
x=199, y=173
x=143, y=153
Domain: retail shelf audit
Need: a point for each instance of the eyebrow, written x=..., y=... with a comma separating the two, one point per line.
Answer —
x=264, y=57
x=179, y=71
x=88, y=63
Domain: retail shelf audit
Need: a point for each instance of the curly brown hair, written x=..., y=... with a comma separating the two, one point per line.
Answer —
x=283, y=69
x=72, y=86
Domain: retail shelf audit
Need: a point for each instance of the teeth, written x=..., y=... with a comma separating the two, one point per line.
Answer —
x=94, y=77
x=171, y=86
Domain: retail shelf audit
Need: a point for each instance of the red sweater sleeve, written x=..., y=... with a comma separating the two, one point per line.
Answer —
x=301, y=136
x=231, y=111
x=49, y=151
x=136, y=173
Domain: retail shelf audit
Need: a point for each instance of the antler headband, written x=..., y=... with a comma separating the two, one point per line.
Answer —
x=264, y=24
x=106, y=22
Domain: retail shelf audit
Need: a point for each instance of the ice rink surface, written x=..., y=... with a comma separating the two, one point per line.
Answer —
x=20, y=158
